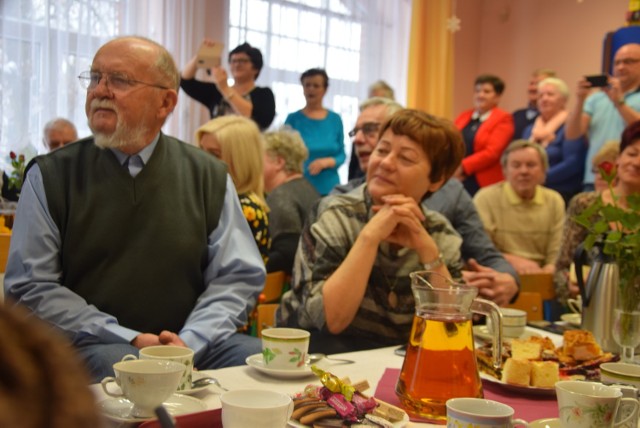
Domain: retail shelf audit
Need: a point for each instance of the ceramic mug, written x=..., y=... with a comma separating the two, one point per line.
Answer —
x=255, y=408
x=585, y=404
x=146, y=383
x=179, y=354
x=514, y=322
x=285, y=348
x=480, y=413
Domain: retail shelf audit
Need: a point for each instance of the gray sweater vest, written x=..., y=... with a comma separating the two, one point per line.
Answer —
x=135, y=248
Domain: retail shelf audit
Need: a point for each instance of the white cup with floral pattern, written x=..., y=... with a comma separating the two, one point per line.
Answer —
x=285, y=348
x=592, y=404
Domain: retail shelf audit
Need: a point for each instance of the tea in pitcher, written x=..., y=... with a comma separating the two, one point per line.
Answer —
x=439, y=364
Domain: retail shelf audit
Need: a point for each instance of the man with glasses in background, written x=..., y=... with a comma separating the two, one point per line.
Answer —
x=131, y=238
x=603, y=115
x=486, y=268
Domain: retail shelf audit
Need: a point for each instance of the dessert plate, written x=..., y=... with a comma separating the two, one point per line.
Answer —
x=531, y=390
x=257, y=363
x=400, y=424
x=546, y=423
x=482, y=332
x=119, y=409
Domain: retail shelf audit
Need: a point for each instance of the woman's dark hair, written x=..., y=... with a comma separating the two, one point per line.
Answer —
x=254, y=55
x=316, y=72
x=630, y=134
x=495, y=81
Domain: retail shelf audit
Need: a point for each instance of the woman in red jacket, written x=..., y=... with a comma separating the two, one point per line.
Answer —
x=487, y=130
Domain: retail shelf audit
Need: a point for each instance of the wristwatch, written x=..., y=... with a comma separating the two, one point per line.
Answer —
x=433, y=264
x=621, y=102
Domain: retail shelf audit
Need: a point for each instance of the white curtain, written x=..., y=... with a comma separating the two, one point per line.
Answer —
x=45, y=44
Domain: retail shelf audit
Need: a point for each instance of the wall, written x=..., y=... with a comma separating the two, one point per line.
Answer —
x=511, y=38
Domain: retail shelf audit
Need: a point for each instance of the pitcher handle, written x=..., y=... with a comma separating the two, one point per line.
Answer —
x=490, y=309
x=579, y=260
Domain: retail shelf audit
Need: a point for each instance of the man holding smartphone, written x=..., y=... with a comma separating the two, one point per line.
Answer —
x=603, y=115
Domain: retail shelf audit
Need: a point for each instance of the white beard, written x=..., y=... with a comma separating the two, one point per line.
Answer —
x=123, y=134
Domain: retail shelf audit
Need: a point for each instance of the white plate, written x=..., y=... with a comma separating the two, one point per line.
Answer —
x=572, y=319
x=483, y=333
x=546, y=423
x=119, y=409
x=257, y=363
x=399, y=424
x=194, y=377
x=517, y=388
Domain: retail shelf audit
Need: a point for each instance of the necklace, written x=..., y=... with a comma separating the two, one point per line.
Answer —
x=392, y=297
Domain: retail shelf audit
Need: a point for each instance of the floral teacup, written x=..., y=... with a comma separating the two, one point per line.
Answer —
x=591, y=404
x=285, y=348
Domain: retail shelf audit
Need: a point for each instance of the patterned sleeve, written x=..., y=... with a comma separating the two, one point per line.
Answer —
x=258, y=222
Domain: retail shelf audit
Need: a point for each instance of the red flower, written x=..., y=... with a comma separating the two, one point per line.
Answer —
x=12, y=155
x=606, y=167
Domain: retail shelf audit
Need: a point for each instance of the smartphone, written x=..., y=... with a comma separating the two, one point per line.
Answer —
x=598, y=80
x=209, y=56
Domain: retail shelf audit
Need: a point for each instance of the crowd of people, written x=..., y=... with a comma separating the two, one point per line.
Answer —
x=131, y=238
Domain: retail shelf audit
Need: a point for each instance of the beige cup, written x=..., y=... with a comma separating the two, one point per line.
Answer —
x=285, y=348
x=514, y=322
x=179, y=354
x=255, y=408
x=592, y=404
x=480, y=413
x=146, y=383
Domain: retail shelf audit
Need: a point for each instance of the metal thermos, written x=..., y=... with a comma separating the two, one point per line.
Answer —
x=599, y=296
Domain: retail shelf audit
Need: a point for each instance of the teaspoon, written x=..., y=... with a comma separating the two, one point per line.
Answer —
x=314, y=358
x=204, y=381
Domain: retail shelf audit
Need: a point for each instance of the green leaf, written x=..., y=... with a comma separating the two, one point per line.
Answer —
x=601, y=227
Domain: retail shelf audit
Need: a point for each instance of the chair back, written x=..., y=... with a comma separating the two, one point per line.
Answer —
x=273, y=287
x=266, y=316
x=539, y=283
x=531, y=303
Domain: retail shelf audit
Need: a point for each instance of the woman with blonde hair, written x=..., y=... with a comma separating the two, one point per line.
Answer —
x=236, y=141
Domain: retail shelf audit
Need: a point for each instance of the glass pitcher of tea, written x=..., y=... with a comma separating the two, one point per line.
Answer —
x=440, y=362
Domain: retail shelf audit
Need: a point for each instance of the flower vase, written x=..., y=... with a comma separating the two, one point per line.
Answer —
x=626, y=321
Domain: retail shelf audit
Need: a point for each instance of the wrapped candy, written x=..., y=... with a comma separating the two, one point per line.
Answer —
x=340, y=404
x=333, y=384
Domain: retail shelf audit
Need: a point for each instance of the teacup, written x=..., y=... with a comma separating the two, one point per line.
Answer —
x=146, y=383
x=585, y=404
x=575, y=305
x=179, y=354
x=514, y=322
x=480, y=413
x=255, y=408
x=285, y=348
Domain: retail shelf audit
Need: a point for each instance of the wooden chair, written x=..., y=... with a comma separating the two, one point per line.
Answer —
x=542, y=283
x=273, y=286
x=531, y=303
x=266, y=316
x=5, y=240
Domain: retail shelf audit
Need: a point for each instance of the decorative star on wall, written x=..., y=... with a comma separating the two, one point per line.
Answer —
x=453, y=24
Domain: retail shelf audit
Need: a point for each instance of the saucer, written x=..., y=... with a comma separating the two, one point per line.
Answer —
x=572, y=319
x=257, y=363
x=194, y=377
x=546, y=423
x=482, y=332
x=119, y=409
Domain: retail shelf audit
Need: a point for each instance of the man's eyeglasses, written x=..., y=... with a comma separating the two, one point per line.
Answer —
x=114, y=81
x=626, y=61
x=239, y=61
x=369, y=129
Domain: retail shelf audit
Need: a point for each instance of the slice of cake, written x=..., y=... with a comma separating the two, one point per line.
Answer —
x=522, y=349
x=544, y=374
x=516, y=372
x=581, y=345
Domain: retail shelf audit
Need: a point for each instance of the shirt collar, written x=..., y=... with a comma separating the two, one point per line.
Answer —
x=514, y=199
x=144, y=154
x=482, y=117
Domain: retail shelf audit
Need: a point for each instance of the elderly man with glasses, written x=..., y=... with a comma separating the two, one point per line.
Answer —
x=603, y=115
x=485, y=266
x=131, y=238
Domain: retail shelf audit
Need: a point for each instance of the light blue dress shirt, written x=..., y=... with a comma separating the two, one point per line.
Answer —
x=234, y=274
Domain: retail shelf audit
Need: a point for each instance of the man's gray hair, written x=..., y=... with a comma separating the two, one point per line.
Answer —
x=392, y=106
x=523, y=144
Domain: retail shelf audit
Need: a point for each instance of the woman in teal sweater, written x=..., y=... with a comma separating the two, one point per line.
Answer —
x=322, y=132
